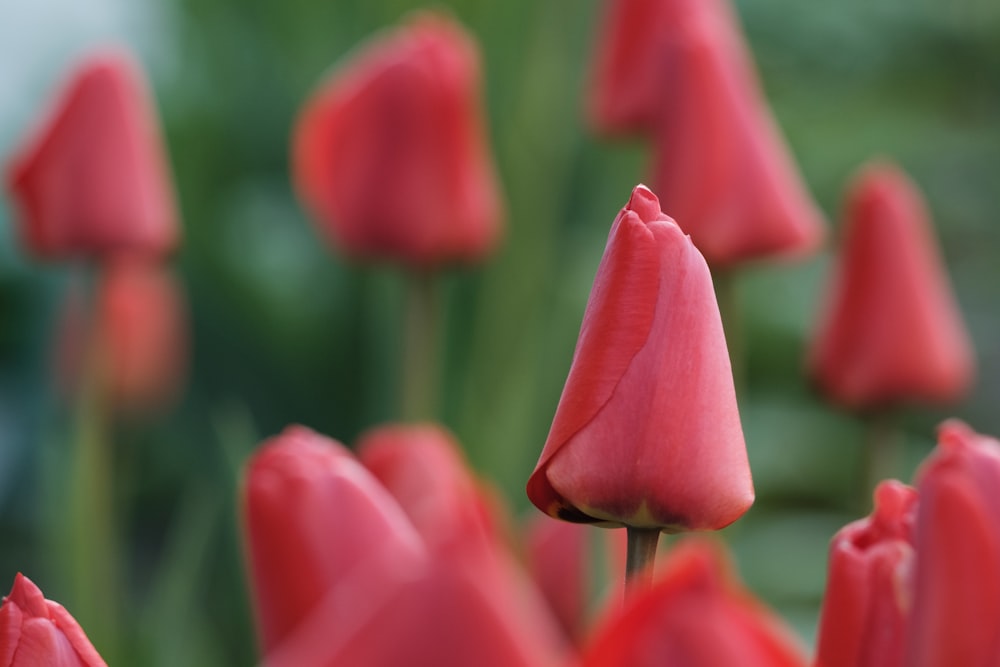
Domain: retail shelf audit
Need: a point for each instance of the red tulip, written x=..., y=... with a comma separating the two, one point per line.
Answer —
x=647, y=432
x=390, y=154
x=422, y=468
x=635, y=66
x=891, y=330
x=695, y=615
x=320, y=530
x=36, y=632
x=140, y=319
x=956, y=600
x=558, y=560
x=143, y=317
x=340, y=576
x=869, y=589
x=720, y=164
x=94, y=179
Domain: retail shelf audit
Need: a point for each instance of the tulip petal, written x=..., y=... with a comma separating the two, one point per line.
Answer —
x=616, y=325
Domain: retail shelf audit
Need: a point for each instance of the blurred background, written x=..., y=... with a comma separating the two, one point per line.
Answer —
x=284, y=330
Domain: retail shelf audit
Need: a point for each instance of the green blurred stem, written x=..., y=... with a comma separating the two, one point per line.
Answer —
x=727, y=295
x=420, y=347
x=882, y=453
x=639, y=559
x=93, y=553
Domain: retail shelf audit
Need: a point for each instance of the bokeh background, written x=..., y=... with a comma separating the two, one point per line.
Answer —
x=284, y=330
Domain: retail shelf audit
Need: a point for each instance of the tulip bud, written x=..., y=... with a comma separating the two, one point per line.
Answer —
x=390, y=153
x=891, y=330
x=695, y=615
x=647, y=432
x=635, y=68
x=140, y=319
x=720, y=163
x=422, y=467
x=557, y=558
x=340, y=576
x=35, y=631
x=869, y=588
x=94, y=178
x=956, y=603
x=319, y=529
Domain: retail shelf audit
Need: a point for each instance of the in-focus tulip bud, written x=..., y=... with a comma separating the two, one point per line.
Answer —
x=647, y=433
x=93, y=179
x=891, y=330
x=320, y=530
x=36, y=632
x=956, y=599
x=695, y=615
x=720, y=164
x=390, y=153
x=869, y=587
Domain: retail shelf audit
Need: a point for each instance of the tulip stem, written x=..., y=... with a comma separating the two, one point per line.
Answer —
x=881, y=456
x=93, y=549
x=639, y=557
x=420, y=348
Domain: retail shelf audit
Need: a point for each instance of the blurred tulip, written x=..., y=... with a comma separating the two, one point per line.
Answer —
x=422, y=467
x=143, y=317
x=94, y=179
x=390, y=153
x=695, y=615
x=635, y=61
x=36, y=632
x=340, y=576
x=647, y=433
x=956, y=600
x=720, y=164
x=869, y=588
x=558, y=559
x=141, y=323
x=318, y=526
x=891, y=330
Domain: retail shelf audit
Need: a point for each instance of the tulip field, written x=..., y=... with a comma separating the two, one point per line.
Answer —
x=524, y=333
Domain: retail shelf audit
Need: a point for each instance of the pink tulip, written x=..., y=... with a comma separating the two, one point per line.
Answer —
x=35, y=632
x=695, y=615
x=720, y=164
x=558, y=559
x=93, y=178
x=869, y=589
x=422, y=467
x=390, y=153
x=956, y=598
x=341, y=576
x=634, y=68
x=318, y=526
x=140, y=319
x=891, y=330
x=647, y=432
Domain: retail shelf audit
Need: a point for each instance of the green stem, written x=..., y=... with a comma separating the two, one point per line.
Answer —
x=727, y=295
x=420, y=348
x=639, y=557
x=882, y=453
x=93, y=551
